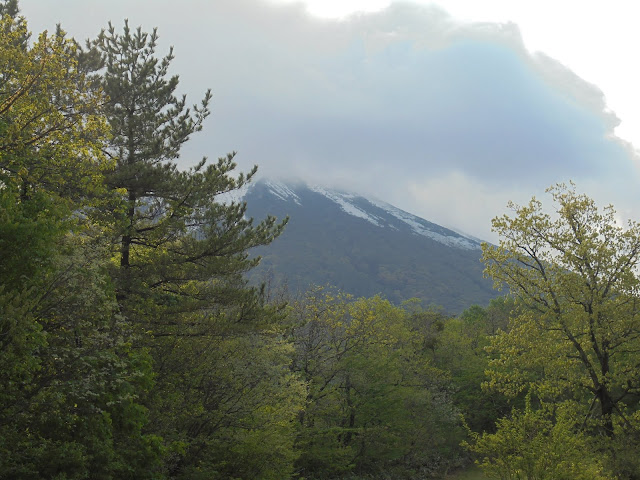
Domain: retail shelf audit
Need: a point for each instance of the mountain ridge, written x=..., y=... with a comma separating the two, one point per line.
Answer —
x=365, y=247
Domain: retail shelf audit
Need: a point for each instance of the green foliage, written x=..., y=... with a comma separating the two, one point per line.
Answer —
x=224, y=399
x=132, y=348
x=180, y=248
x=51, y=130
x=69, y=381
x=375, y=402
x=68, y=385
x=461, y=350
x=577, y=332
x=30, y=229
x=228, y=404
x=177, y=370
x=537, y=445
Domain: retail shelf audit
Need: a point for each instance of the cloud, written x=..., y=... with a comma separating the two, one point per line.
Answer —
x=407, y=104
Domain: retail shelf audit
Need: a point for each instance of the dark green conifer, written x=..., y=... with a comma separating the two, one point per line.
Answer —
x=180, y=246
x=179, y=263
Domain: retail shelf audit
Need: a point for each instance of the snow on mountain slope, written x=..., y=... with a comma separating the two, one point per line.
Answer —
x=376, y=212
x=282, y=191
x=417, y=224
x=344, y=201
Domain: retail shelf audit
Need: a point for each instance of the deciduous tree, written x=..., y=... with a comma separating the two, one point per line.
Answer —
x=70, y=382
x=375, y=401
x=577, y=339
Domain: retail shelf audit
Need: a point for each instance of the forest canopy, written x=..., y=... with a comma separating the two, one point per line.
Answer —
x=133, y=347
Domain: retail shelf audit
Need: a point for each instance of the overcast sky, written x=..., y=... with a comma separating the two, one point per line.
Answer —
x=446, y=113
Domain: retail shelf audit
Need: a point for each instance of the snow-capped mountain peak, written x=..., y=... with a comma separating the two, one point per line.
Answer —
x=375, y=212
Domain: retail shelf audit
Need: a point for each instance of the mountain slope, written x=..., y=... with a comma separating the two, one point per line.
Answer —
x=366, y=247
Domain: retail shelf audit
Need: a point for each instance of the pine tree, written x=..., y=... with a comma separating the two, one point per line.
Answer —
x=181, y=255
x=179, y=245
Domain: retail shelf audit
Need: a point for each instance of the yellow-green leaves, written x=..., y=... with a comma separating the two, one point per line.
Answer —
x=51, y=130
x=574, y=273
x=536, y=444
x=374, y=397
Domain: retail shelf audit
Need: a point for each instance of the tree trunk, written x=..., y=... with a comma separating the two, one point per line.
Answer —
x=124, y=289
x=606, y=410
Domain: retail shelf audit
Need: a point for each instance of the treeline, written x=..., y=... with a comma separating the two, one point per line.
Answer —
x=386, y=385
x=130, y=343
x=132, y=347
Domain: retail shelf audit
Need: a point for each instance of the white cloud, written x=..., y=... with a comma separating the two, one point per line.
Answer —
x=456, y=199
x=446, y=119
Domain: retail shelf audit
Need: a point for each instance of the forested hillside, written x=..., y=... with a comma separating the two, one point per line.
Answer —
x=365, y=247
x=132, y=346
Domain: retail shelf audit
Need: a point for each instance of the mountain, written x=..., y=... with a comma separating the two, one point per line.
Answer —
x=365, y=247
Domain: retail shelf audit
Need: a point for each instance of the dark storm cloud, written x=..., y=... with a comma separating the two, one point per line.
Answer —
x=405, y=103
